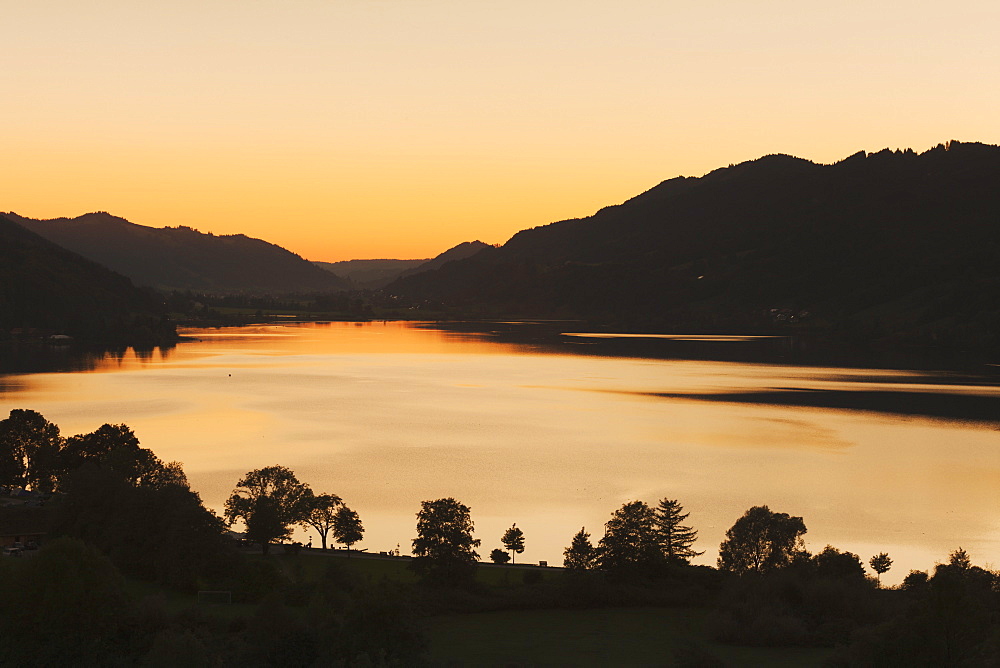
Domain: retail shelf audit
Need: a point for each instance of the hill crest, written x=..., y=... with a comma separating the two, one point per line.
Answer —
x=182, y=258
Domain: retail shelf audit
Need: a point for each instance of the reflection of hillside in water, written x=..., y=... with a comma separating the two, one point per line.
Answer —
x=16, y=358
x=960, y=407
x=802, y=373
x=569, y=337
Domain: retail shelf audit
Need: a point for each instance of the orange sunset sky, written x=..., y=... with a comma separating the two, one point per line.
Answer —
x=397, y=128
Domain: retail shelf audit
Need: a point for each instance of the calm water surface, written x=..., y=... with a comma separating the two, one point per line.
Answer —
x=557, y=437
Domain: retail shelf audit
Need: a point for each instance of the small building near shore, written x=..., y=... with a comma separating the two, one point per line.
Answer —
x=22, y=524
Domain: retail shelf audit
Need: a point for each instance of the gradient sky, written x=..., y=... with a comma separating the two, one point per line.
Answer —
x=397, y=128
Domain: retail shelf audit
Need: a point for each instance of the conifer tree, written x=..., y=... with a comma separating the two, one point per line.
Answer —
x=674, y=537
x=581, y=555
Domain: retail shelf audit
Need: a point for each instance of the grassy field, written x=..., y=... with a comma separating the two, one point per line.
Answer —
x=626, y=636
x=604, y=637
x=309, y=565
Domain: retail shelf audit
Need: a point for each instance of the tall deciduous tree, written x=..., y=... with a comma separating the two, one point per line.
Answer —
x=347, y=528
x=268, y=501
x=630, y=539
x=513, y=540
x=761, y=541
x=581, y=555
x=321, y=513
x=99, y=444
x=444, y=546
x=116, y=447
x=674, y=536
x=29, y=450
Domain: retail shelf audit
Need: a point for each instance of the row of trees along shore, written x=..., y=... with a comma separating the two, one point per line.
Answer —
x=115, y=508
x=271, y=501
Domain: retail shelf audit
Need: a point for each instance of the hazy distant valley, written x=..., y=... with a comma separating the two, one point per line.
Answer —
x=374, y=274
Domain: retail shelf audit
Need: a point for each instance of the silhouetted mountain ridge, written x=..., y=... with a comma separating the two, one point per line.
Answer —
x=462, y=251
x=889, y=243
x=181, y=258
x=46, y=289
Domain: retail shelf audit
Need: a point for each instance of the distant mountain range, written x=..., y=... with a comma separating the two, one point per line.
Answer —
x=47, y=290
x=379, y=273
x=890, y=245
x=180, y=258
x=370, y=273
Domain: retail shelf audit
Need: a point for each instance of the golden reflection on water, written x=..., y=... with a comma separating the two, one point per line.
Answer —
x=389, y=414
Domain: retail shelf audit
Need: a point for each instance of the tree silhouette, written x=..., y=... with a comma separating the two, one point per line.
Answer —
x=499, y=556
x=513, y=540
x=444, y=546
x=581, y=555
x=630, y=540
x=960, y=559
x=915, y=581
x=154, y=532
x=834, y=564
x=674, y=537
x=347, y=528
x=322, y=511
x=880, y=563
x=99, y=444
x=761, y=541
x=116, y=447
x=29, y=450
x=268, y=501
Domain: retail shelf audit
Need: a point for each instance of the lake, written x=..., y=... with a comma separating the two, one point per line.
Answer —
x=556, y=432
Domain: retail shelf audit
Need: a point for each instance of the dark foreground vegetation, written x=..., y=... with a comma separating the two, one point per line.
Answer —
x=133, y=570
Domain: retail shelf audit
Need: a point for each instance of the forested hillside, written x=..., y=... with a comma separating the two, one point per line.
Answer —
x=376, y=274
x=890, y=245
x=181, y=258
x=45, y=290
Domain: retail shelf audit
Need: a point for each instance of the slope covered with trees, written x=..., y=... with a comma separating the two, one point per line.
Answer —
x=379, y=273
x=890, y=244
x=370, y=273
x=181, y=258
x=45, y=289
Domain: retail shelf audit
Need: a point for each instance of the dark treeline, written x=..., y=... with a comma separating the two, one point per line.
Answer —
x=768, y=590
x=115, y=515
x=202, y=309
